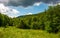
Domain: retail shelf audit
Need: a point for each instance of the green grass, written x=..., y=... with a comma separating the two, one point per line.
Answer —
x=12, y=32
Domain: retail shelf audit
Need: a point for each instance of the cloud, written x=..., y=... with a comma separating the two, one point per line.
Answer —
x=8, y=11
x=14, y=11
x=26, y=3
x=37, y=4
x=53, y=4
x=58, y=3
x=28, y=13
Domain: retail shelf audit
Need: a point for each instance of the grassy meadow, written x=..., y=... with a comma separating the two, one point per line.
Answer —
x=12, y=32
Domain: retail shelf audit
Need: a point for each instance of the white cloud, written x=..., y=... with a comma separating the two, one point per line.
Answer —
x=37, y=4
x=58, y=3
x=8, y=11
x=53, y=4
x=29, y=14
x=15, y=11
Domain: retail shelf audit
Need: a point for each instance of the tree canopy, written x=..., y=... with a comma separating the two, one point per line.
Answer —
x=48, y=20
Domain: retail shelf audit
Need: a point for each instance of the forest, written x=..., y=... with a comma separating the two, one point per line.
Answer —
x=48, y=20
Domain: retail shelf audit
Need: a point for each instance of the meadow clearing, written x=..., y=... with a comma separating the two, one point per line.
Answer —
x=12, y=32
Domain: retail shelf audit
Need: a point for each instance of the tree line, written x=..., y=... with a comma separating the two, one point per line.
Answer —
x=48, y=20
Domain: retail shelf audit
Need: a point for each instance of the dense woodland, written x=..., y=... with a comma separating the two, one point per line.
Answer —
x=48, y=20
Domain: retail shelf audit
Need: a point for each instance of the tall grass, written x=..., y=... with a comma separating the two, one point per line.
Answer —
x=12, y=32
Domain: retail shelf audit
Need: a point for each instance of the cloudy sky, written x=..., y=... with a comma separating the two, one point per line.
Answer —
x=14, y=8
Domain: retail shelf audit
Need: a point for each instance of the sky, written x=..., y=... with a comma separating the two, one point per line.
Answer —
x=15, y=8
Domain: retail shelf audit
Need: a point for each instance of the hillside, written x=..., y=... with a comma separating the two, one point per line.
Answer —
x=48, y=20
x=42, y=25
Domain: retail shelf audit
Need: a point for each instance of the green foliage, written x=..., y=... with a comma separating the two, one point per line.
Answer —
x=48, y=20
x=4, y=20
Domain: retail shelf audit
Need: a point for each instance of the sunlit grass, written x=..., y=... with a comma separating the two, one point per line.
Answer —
x=12, y=32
